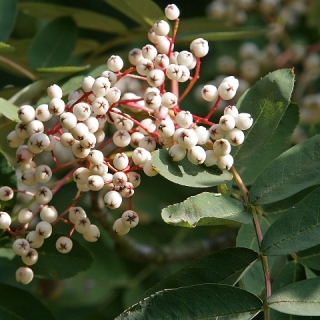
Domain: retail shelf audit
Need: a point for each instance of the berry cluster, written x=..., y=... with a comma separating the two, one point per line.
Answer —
x=111, y=163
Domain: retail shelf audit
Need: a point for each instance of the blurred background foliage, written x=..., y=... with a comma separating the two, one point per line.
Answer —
x=54, y=41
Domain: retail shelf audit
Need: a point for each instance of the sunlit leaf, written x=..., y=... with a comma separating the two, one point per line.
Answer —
x=206, y=209
x=5, y=47
x=279, y=142
x=187, y=174
x=9, y=110
x=266, y=102
x=63, y=69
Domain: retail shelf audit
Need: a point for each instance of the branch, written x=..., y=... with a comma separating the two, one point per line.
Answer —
x=161, y=254
x=16, y=66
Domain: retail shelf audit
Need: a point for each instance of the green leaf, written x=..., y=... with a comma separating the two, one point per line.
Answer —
x=309, y=273
x=301, y=298
x=291, y=273
x=206, y=209
x=266, y=101
x=5, y=47
x=275, y=315
x=8, y=178
x=207, y=301
x=222, y=267
x=55, y=265
x=247, y=236
x=19, y=56
x=9, y=110
x=253, y=279
x=8, y=12
x=33, y=90
x=311, y=257
x=295, y=170
x=85, y=46
x=63, y=69
x=279, y=142
x=7, y=253
x=187, y=174
x=223, y=35
x=20, y=304
x=297, y=229
x=84, y=18
x=285, y=204
x=54, y=44
x=314, y=129
x=144, y=12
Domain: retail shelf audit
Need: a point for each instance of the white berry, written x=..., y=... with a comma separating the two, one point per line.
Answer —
x=64, y=244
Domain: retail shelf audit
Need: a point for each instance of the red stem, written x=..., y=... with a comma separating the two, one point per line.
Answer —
x=213, y=109
x=192, y=82
x=63, y=180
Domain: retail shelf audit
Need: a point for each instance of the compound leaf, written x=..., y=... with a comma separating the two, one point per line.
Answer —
x=222, y=267
x=300, y=298
x=206, y=209
x=291, y=273
x=279, y=142
x=293, y=171
x=253, y=279
x=206, y=301
x=266, y=101
x=297, y=229
x=187, y=174
x=311, y=257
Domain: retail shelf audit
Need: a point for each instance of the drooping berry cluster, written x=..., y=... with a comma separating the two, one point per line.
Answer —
x=80, y=125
